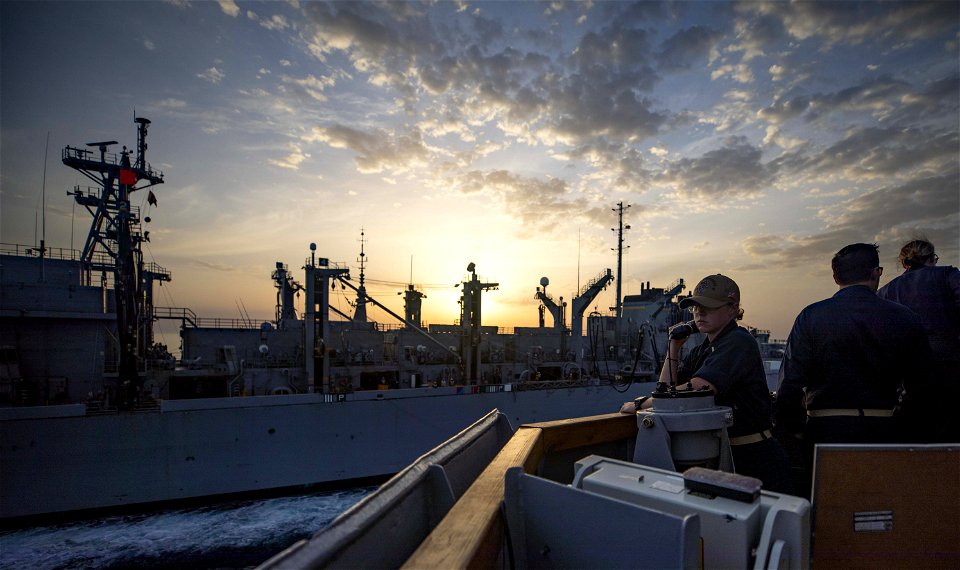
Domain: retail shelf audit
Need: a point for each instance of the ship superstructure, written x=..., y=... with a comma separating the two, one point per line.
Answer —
x=109, y=295
x=79, y=324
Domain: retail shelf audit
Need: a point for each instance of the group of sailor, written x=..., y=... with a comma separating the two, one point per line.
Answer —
x=863, y=366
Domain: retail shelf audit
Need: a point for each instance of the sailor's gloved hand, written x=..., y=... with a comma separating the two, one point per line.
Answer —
x=682, y=331
x=641, y=403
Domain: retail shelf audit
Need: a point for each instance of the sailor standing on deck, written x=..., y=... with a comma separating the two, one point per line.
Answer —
x=933, y=292
x=728, y=362
x=848, y=358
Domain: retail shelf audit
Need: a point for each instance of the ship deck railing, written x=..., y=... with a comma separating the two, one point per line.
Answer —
x=58, y=253
x=226, y=323
x=98, y=271
x=190, y=318
x=71, y=155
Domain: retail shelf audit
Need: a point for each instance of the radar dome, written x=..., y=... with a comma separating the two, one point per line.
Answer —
x=544, y=281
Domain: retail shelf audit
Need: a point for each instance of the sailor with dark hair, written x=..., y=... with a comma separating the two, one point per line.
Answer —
x=933, y=292
x=848, y=358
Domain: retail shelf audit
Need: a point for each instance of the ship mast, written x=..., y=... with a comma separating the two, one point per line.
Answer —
x=360, y=314
x=113, y=246
x=619, y=306
x=470, y=318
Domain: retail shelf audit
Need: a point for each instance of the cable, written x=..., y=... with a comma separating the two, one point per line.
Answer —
x=404, y=285
x=633, y=369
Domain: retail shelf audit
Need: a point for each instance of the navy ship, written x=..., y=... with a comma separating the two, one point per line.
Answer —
x=96, y=414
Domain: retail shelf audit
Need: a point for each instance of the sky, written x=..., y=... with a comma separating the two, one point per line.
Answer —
x=751, y=139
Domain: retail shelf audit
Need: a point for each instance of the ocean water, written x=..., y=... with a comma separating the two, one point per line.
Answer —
x=240, y=534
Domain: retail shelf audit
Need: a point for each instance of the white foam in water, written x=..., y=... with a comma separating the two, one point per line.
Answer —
x=232, y=535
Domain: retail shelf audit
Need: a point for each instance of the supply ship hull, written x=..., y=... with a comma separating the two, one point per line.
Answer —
x=58, y=459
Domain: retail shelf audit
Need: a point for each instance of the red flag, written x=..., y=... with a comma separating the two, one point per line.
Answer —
x=128, y=177
x=151, y=199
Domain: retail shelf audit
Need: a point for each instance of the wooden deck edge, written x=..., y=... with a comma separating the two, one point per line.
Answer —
x=469, y=536
x=590, y=430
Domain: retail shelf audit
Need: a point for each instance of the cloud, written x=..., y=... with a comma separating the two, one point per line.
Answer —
x=149, y=45
x=754, y=35
x=782, y=110
x=276, y=23
x=719, y=176
x=214, y=266
x=886, y=216
x=855, y=23
x=171, y=103
x=615, y=166
x=292, y=160
x=347, y=27
x=309, y=86
x=873, y=96
x=659, y=152
x=686, y=47
x=919, y=202
x=229, y=7
x=586, y=110
x=937, y=100
x=541, y=204
x=740, y=72
x=213, y=75
x=593, y=104
x=774, y=136
x=378, y=150
x=877, y=153
x=887, y=99
x=594, y=92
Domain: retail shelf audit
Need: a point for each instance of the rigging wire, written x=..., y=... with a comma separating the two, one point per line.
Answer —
x=167, y=292
x=404, y=285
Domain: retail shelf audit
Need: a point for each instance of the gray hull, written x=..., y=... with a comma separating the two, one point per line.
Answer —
x=55, y=459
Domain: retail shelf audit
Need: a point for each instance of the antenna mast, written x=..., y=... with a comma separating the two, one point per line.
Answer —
x=113, y=247
x=43, y=198
x=360, y=314
x=619, y=307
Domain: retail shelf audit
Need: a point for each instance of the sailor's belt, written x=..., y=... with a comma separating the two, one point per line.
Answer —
x=853, y=412
x=752, y=438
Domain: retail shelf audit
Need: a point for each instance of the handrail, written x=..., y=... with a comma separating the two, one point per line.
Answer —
x=109, y=158
x=100, y=261
x=603, y=274
x=21, y=250
x=188, y=316
x=158, y=271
